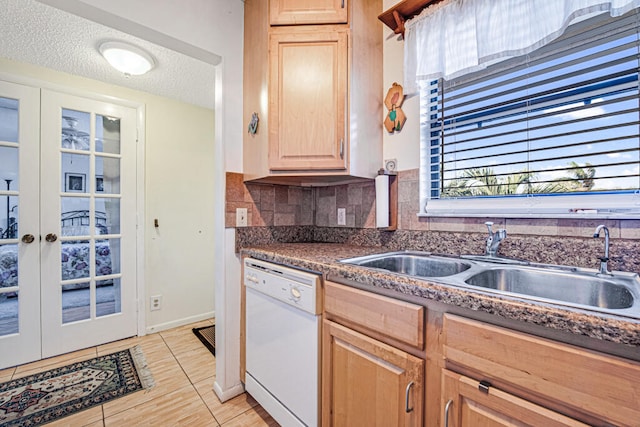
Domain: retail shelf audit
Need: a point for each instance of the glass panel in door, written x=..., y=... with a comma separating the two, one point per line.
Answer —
x=90, y=265
x=9, y=285
x=19, y=280
x=107, y=215
x=75, y=216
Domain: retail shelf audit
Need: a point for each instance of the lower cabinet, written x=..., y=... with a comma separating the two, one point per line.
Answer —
x=595, y=388
x=470, y=403
x=367, y=382
x=373, y=366
x=387, y=362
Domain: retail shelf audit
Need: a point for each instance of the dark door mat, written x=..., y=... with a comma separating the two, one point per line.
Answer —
x=207, y=335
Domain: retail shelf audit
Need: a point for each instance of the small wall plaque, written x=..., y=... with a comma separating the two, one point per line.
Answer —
x=253, y=124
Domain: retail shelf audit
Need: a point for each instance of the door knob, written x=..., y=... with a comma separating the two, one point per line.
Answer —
x=28, y=238
x=51, y=238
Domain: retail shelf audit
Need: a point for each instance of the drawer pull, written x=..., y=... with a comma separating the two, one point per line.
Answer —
x=483, y=386
x=406, y=398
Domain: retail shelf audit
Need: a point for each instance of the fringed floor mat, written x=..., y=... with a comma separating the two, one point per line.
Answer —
x=207, y=335
x=56, y=393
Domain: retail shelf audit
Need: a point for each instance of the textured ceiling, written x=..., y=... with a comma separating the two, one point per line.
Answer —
x=42, y=35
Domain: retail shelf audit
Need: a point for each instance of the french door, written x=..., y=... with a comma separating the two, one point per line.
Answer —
x=70, y=225
x=19, y=213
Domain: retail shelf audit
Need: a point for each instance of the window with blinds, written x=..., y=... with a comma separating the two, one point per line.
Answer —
x=555, y=131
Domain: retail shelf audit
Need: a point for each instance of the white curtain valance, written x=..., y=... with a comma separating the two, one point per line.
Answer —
x=455, y=37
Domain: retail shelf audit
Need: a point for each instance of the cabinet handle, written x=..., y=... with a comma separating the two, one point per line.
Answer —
x=342, y=4
x=342, y=148
x=406, y=398
x=446, y=412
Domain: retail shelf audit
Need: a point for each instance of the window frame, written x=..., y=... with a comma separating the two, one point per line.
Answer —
x=600, y=205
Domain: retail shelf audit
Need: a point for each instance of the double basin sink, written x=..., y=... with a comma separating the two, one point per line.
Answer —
x=618, y=293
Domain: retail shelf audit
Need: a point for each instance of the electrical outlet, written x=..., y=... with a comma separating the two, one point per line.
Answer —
x=342, y=216
x=241, y=217
x=156, y=302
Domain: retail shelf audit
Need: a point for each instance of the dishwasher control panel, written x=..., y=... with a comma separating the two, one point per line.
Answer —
x=291, y=286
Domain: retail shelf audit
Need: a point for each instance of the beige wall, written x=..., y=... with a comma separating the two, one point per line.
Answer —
x=179, y=182
x=179, y=193
x=404, y=146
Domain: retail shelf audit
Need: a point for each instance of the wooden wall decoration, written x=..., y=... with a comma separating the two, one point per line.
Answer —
x=395, y=118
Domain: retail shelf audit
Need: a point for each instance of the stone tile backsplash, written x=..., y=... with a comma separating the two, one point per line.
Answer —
x=277, y=205
x=309, y=214
x=267, y=205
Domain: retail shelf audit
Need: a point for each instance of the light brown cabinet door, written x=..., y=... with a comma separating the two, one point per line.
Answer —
x=308, y=100
x=368, y=383
x=294, y=12
x=465, y=405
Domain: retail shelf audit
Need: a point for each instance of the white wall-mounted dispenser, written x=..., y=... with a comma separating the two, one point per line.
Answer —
x=386, y=200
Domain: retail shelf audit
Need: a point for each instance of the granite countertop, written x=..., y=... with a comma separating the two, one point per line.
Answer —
x=324, y=258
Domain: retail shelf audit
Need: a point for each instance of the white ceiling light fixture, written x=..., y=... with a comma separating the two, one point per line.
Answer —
x=126, y=58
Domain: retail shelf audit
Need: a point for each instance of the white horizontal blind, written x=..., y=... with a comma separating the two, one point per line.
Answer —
x=563, y=120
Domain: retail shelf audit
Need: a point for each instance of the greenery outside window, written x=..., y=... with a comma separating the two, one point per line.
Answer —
x=552, y=133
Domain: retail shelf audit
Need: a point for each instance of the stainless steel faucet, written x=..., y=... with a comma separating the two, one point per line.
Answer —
x=604, y=269
x=494, y=239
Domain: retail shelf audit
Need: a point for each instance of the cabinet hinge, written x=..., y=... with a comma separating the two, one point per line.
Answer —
x=483, y=386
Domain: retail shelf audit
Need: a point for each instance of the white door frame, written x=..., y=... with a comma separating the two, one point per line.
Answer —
x=140, y=174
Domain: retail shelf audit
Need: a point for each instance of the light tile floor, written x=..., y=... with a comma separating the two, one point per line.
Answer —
x=184, y=372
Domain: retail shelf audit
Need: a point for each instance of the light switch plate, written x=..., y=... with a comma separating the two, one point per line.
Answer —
x=241, y=217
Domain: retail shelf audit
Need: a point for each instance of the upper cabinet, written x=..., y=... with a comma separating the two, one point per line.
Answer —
x=316, y=90
x=296, y=12
x=307, y=100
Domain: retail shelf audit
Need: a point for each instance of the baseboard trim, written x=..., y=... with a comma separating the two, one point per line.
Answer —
x=180, y=322
x=230, y=393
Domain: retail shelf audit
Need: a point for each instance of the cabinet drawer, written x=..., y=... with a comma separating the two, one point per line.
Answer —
x=595, y=384
x=399, y=320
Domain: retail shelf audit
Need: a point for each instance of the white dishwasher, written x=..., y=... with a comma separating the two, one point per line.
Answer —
x=283, y=341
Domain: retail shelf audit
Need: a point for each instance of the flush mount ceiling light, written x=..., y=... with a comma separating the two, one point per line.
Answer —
x=126, y=58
